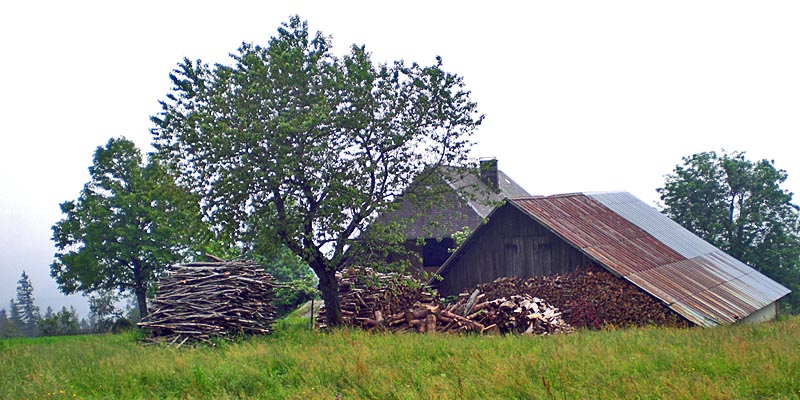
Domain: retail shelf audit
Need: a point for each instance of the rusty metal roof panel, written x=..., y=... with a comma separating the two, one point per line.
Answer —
x=716, y=286
x=693, y=315
x=722, y=292
x=635, y=241
x=720, y=304
x=653, y=222
x=751, y=283
x=599, y=232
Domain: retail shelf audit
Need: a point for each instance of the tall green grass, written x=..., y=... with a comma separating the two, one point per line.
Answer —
x=732, y=362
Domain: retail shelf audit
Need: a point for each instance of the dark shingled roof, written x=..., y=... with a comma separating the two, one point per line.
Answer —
x=466, y=201
x=485, y=201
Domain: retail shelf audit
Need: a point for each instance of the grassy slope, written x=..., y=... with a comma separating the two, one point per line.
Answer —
x=739, y=362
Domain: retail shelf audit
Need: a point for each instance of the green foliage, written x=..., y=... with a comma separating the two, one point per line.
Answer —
x=738, y=205
x=296, y=281
x=103, y=311
x=460, y=236
x=7, y=326
x=64, y=322
x=130, y=222
x=304, y=149
x=290, y=295
x=731, y=362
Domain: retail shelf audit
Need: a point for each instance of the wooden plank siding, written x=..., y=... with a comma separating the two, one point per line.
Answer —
x=510, y=244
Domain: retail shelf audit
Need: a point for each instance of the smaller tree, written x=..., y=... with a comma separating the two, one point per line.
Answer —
x=85, y=325
x=64, y=322
x=6, y=326
x=102, y=310
x=130, y=222
x=14, y=319
x=68, y=320
x=48, y=326
x=28, y=311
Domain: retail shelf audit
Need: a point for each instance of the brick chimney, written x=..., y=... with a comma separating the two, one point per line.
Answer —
x=488, y=171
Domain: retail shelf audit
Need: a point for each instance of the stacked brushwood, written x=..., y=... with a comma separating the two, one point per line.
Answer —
x=400, y=303
x=367, y=296
x=592, y=298
x=204, y=300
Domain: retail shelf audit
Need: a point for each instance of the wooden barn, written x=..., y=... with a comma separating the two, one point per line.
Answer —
x=550, y=235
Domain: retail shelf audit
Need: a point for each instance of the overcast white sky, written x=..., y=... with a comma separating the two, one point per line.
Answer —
x=578, y=95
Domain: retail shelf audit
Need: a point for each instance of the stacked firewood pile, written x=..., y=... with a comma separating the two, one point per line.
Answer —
x=591, y=298
x=203, y=300
x=399, y=303
x=516, y=313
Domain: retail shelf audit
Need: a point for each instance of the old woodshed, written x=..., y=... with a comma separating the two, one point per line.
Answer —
x=548, y=235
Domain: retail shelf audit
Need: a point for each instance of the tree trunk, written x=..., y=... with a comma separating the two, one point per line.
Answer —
x=141, y=300
x=140, y=290
x=329, y=287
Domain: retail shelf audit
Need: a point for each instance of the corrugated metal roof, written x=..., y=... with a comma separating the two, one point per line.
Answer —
x=635, y=241
x=599, y=232
x=653, y=222
x=716, y=285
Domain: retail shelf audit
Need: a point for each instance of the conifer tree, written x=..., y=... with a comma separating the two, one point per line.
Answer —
x=5, y=323
x=28, y=311
x=14, y=319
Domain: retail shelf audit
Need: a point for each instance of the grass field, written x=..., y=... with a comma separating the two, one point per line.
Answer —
x=732, y=362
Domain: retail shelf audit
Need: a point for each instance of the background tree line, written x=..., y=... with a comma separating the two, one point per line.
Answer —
x=23, y=318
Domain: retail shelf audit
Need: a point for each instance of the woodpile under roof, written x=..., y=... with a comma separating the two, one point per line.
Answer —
x=401, y=303
x=204, y=300
x=591, y=297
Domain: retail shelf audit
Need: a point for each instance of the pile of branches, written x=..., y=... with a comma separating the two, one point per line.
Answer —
x=399, y=303
x=592, y=298
x=204, y=300
x=365, y=296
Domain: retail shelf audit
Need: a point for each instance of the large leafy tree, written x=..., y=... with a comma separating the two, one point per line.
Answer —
x=738, y=205
x=304, y=148
x=130, y=222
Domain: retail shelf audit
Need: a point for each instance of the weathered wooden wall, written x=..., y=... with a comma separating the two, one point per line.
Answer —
x=511, y=244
